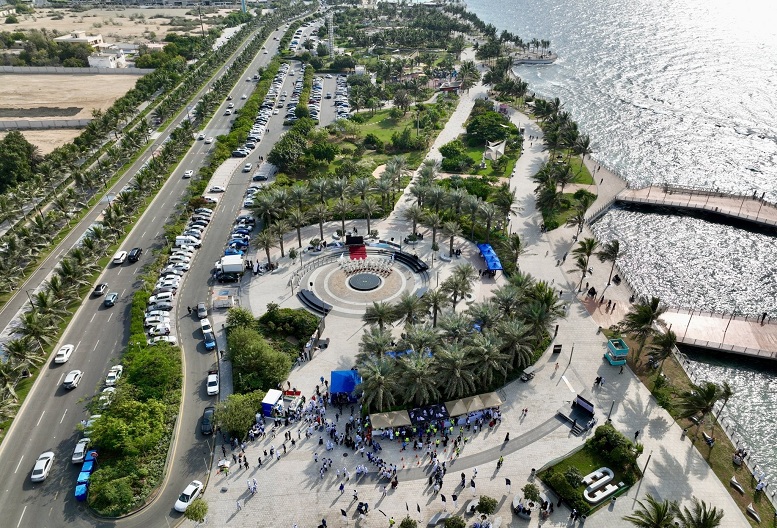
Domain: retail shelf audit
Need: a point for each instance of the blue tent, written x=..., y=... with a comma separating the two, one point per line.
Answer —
x=83, y=477
x=87, y=466
x=81, y=492
x=492, y=261
x=344, y=381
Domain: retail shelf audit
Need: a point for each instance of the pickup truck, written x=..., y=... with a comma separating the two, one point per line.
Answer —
x=213, y=382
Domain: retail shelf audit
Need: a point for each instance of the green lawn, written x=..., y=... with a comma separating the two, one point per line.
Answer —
x=383, y=126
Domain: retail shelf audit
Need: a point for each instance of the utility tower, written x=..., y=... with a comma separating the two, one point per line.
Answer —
x=330, y=22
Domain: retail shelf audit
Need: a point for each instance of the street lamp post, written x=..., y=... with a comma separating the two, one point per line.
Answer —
x=30, y=298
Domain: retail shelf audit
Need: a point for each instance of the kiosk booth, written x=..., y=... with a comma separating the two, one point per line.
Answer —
x=270, y=401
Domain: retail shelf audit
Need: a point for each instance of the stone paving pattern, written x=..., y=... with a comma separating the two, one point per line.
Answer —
x=291, y=493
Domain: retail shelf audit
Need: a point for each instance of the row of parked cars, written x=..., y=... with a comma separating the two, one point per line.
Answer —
x=342, y=106
x=291, y=105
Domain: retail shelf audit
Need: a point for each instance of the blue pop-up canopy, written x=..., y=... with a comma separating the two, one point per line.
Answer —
x=492, y=261
x=344, y=381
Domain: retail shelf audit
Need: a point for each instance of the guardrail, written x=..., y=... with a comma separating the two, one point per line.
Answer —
x=43, y=124
x=58, y=70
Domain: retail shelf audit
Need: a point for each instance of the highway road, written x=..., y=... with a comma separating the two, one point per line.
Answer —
x=48, y=420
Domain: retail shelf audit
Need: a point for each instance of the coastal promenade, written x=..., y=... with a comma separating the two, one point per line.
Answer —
x=674, y=468
x=747, y=207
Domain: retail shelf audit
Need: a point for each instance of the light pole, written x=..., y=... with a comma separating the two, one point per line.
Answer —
x=30, y=298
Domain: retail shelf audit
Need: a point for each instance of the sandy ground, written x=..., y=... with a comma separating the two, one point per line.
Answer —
x=113, y=25
x=48, y=140
x=81, y=91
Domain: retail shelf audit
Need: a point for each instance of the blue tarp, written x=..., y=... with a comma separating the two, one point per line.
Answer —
x=397, y=354
x=88, y=466
x=344, y=381
x=81, y=492
x=83, y=477
x=492, y=261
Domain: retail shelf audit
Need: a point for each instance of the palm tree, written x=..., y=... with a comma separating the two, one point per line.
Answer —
x=419, y=378
x=455, y=370
x=320, y=212
x=36, y=326
x=379, y=384
x=374, y=342
x=641, y=319
x=585, y=248
x=298, y=218
x=662, y=347
x=726, y=392
x=452, y=229
x=485, y=314
x=280, y=227
x=700, y=516
x=489, y=212
x=517, y=342
x=411, y=307
x=421, y=338
x=699, y=399
x=653, y=514
x=435, y=300
x=514, y=246
x=22, y=355
x=435, y=222
x=610, y=253
x=380, y=313
x=369, y=207
x=342, y=207
x=455, y=327
x=485, y=348
x=413, y=214
x=266, y=240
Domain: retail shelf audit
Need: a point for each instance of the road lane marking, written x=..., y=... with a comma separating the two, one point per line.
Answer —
x=21, y=517
x=63, y=417
x=41, y=418
x=143, y=235
x=19, y=464
x=95, y=345
x=93, y=315
x=122, y=292
x=60, y=378
x=119, y=272
x=78, y=344
x=109, y=318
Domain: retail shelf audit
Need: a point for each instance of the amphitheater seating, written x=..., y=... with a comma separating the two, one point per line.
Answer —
x=412, y=262
x=313, y=303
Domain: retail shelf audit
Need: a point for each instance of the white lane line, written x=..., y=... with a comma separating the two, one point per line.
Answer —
x=119, y=272
x=122, y=292
x=63, y=417
x=19, y=464
x=78, y=345
x=98, y=342
x=60, y=378
x=93, y=316
x=109, y=317
x=143, y=235
x=21, y=517
x=41, y=418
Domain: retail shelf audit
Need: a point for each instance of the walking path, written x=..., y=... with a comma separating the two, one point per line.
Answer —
x=674, y=468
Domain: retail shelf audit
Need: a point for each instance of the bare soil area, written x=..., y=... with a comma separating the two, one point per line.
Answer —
x=61, y=92
x=48, y=140
x=120, y=25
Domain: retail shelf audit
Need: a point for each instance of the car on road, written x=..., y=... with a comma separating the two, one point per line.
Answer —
x=114, y=375
x=72, y=379
x=119, y=258
x=100, y=289
x=248, y=203
x=206, y=424
x=208, y=140
x=209, y=340
x=229, y=97
x=217, y=189
x=110, y=299
x=212, y=383
x=228, y=277
x=247, y=167
x=79, y=453
x=201, y=135
x=231, y=105
x=188, y=174
x=202, y=310
x=244, y=96
x=42, y=467
x=64, y=353
x=134, y=254
x=259, y=176
x=210, y=200
x=106, y=397
x=163, y=339
x=191, y=492
x=227, y=112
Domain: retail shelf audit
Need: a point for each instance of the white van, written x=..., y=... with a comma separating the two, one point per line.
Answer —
x=187, y=241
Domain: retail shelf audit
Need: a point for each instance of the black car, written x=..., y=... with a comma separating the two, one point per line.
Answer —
x=206, y=426
x=134, y=254
x=259, y=177
x=227, y=277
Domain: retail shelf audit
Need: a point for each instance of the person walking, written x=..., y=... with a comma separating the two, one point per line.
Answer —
x=190, y=309
x=507, y=437
x=342, y=488
x=237, y=503
x=636, y=434
x=355, y=495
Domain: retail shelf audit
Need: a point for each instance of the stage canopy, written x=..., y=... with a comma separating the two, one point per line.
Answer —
x=488, y=253
x=344, y=381
x=473, y=403
x=389, y=419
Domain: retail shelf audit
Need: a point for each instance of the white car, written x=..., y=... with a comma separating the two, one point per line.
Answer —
x=188, y=174
x=201, y=136
x=247, y=167
x=191, y=492
x=120, y=257
x=179, y=259
x=162, y=297
x=90, y=422
x=79, y=453
x=159, y=330
x=206, y=326
x=156, y=320
x=208, y=140
x=72, y=379
x=213, y=383
x=175, y=269
x=168, y=283
x=114, y=375
x=64, y=353
x=106, y=397
x=42, y=467
x=244, y=96
x=163, y=339
x=248, y=203
x=217, y=189
x=210, y=200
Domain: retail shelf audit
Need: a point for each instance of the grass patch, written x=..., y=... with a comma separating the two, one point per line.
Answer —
x=383, y=126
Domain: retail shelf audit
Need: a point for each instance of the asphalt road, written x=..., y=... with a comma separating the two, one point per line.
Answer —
x=48, y=420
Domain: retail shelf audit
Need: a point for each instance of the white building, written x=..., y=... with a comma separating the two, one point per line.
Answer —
x=95, y=41
x=108, y=59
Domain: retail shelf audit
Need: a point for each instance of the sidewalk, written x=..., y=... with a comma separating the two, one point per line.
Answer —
x=675, y=469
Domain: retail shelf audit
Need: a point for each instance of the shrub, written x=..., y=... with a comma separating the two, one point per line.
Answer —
x=455, y=522
x=358, y=118
x=487, y=505
x=196, y=511
x=11, y=20
x=407, y=522
x=371, y=141
x=573, y=476
x=531, y=492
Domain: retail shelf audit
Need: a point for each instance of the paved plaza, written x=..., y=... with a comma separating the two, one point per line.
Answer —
x=291, y=491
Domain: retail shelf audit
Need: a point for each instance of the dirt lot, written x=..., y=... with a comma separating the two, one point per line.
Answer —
x=119, y=25
x=48, y=140
x=62, y=91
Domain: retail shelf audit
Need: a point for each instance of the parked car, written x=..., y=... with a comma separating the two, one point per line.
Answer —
x=191, y=492
x=163, y=339
x=202, y=310
x=209, y=340
x=106, y=397
x=227, y=277
x=114, y=375
x=79, y=453
x=206, y=424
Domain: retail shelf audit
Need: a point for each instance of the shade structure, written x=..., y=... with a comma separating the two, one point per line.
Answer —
x=390, y=419
x=488, y=253
x=344, y=381
x=473, y=403
x=491, y=399
x=456, y=407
